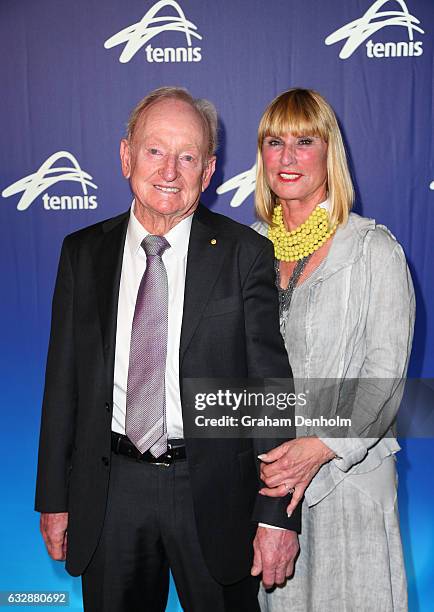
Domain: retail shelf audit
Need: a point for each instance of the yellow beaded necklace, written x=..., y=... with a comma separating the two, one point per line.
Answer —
x=305, y=239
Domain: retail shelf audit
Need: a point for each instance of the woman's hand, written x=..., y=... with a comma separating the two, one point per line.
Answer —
x=292, y=465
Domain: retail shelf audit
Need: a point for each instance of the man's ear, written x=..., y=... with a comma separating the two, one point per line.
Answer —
x=208, y=172
x=125, y=153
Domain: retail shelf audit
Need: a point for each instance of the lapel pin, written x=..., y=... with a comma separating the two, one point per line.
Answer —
x=213, y=241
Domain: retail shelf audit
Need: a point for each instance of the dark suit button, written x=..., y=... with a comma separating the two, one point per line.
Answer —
x=106, y=347
x=105, y=461
x=107, y=406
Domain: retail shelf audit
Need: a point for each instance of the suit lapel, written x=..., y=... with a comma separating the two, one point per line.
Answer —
x=204, y=262
x=108, y=258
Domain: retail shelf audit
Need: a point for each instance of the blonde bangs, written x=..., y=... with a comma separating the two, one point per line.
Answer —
x=296, y=114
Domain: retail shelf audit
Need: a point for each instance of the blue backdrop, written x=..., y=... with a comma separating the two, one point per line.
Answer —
x=70, y=74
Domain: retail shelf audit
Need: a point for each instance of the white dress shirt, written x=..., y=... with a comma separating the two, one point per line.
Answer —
x=133, y=267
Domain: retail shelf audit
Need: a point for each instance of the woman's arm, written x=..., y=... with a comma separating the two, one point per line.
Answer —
x=388, y=336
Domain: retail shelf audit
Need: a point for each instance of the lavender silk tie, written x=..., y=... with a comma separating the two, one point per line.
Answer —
x=146, y=397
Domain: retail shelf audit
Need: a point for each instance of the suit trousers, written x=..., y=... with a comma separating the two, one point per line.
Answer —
x=150, y=528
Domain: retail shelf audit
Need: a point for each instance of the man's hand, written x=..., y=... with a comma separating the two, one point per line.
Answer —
x=275, y=551
x=292, y=465
x=53, y=528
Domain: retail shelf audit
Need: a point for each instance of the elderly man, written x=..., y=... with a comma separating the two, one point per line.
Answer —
x=164, y=292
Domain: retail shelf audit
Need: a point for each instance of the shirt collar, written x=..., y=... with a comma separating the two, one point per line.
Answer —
x=347, y=245
x=178, y=237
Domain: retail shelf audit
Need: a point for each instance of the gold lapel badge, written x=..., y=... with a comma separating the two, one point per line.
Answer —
x=213, y=241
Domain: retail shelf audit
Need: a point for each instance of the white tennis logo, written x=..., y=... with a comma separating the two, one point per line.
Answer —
x=243, y=184
x=33, y=185
x=356, y=32
x=138, y=34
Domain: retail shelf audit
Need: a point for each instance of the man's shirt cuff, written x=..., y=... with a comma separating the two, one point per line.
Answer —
x=271, y=526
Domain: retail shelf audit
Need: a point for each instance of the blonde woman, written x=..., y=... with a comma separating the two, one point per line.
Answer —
x=347, y=312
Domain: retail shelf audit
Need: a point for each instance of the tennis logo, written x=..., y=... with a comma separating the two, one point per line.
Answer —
x=243, y=184
x=139, y=34
x=33, y=185
x=375, y=19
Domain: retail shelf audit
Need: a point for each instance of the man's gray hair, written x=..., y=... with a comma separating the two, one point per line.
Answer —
x=205, y=109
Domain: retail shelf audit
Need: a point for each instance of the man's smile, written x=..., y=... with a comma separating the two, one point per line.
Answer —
x=167, y=189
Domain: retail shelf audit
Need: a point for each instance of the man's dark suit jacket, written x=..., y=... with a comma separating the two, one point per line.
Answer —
x=229, y=330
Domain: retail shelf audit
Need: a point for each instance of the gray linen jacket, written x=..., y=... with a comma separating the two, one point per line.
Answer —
x=358, y=311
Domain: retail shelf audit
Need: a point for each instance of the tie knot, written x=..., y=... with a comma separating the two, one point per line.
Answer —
x=154, y=245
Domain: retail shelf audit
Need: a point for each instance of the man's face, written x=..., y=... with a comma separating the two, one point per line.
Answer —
x=166, y=161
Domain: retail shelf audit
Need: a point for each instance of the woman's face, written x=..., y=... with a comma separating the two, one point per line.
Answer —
x=296, y=168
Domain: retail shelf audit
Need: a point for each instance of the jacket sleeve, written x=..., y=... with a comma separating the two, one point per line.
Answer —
x=267, y=358
x=388, y=338
x=60, y=397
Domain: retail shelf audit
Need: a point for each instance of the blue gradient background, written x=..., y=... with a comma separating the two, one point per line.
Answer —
x=61, y=90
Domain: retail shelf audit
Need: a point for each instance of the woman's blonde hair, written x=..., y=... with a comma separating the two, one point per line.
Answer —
x=304, y=112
